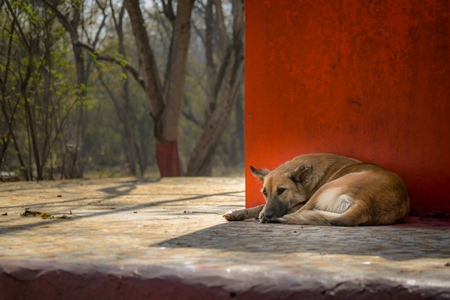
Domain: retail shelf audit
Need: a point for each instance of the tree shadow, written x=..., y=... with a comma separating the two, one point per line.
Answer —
x=111, y=193
x=127, y=187
x=413, y=240
x=124, y=188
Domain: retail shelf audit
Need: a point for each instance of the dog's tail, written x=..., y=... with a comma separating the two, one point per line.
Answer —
x=354, y=216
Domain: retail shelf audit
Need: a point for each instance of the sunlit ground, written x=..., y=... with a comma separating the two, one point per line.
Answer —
x=152, y=172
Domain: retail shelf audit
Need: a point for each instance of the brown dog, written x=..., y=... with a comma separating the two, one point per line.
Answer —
x=327, y=189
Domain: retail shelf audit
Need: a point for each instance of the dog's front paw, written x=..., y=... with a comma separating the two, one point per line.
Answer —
x=261, y=216
x=234, y=215
x=262, y=219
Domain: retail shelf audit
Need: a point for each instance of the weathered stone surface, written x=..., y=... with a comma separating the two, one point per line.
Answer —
x=130, y=239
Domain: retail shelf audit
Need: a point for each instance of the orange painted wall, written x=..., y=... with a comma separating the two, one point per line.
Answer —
x=361, y=78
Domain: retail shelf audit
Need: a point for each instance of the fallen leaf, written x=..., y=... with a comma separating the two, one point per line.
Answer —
x=43, y=215
x=59, y=217
x=28, y=213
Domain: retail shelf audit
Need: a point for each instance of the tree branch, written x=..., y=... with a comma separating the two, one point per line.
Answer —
x=64, y=22
x=106, y=57
x=111, y=96
x=98, y=56
x=189, y=115
x=26, y=44
x=146, y=56
x=224, y=41
x=168, y=10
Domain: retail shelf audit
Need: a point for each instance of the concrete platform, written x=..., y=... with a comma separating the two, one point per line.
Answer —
x=166, y=239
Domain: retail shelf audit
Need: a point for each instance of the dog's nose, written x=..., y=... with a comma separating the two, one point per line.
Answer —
x=268, y=214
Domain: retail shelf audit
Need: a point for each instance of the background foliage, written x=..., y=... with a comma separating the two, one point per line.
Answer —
x=41, y=94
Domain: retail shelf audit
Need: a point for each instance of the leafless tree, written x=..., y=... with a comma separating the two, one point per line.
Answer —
x=224, y=79
x=165, y=99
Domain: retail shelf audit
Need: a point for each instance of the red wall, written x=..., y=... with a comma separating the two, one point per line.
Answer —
x=366, y=79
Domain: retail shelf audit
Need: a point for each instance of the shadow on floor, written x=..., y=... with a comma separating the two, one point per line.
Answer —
x=413, y=240
x=112, y=193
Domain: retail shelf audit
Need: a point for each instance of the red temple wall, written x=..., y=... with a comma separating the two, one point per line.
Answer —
x=365, y=79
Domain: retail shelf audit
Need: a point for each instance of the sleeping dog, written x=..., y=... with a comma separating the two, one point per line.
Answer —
x=328, y=189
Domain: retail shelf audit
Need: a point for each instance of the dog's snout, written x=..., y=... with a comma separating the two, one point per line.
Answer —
x=268, y=214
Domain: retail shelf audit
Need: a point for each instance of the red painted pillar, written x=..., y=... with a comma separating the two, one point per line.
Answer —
x=366, y=79
x=167, y=159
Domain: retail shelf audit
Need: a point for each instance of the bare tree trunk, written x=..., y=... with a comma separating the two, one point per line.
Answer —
x=174, y=85
x=237, y=143
x=203, y=151
x=211, y=75
x=147, y=61
x=165, y=102
x=72, y=142
x=129, y=136
x=240, y=126
x=72, y=147
x=124, y=111
x=228, y=81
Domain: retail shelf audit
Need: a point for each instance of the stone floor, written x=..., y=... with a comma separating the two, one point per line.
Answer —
x=166, y=239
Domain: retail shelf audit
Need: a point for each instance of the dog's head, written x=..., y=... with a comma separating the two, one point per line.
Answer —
x=283, y=190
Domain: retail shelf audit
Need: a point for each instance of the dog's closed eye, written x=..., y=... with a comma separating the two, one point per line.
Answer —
x=264, y=192
x=280, y=191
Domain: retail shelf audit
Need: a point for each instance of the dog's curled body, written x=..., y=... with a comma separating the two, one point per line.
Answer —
x=327, y=189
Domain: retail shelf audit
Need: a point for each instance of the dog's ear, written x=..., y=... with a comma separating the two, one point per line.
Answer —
x=259, y=173
x=301, y=173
